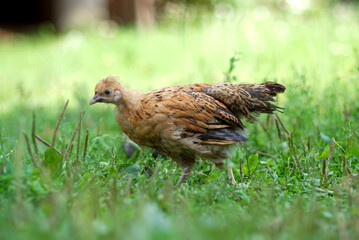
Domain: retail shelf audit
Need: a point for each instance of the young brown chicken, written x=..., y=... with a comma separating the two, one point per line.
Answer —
x=191, y=121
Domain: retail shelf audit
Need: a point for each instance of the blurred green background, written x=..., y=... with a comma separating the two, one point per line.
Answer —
x=190, y=43
x=311, y=46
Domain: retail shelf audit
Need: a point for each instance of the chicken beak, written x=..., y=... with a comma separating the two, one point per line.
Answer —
x=96, y=99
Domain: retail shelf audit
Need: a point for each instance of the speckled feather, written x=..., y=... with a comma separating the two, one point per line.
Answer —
x=191, y=121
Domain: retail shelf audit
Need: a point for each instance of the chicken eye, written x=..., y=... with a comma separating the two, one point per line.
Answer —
x=107, y=91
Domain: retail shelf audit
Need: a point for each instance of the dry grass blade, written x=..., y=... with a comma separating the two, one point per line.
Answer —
x=268, y=119
x=346, y=114
x=63, y=145
x=282, y=124
x=58, y=123
x=292, y=145
x=69, y=150
x=293, y=148
x=78, y=140
x=33, y=133
x=324, y=171
x=304, y=148
x=278, y=129
x=313, y=165
x=69, y=147
x=46, y=143
x=294, y=167
x=2, y=167
x=297, y=161
x=344, y=163
x=86, y=143
x=264, y=127
x=30, y=151
x=266, y=154
x=345, y=166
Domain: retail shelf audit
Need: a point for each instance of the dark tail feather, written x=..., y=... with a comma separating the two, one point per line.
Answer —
x=266, y=91
x=246, y=100
x=261, y=96
x=274, y=88
x=226, y=134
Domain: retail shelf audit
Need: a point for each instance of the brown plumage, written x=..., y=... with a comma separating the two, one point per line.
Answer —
x=191, y=121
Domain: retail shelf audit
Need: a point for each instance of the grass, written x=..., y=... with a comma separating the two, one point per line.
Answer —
x=297, y=173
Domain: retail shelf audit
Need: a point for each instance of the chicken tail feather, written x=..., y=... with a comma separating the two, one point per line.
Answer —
x=260, y=97
x=223, y=135
x=247, y=100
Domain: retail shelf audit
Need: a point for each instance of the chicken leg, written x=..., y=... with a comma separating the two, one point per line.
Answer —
x=186, y=171
x=230, y=173
x=220, y=165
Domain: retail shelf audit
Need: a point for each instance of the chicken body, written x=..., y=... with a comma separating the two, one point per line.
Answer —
x=191, y=121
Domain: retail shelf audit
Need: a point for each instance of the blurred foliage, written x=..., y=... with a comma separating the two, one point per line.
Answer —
x=283, y=5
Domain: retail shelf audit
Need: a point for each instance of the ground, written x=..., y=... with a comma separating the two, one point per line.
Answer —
x=297, y=174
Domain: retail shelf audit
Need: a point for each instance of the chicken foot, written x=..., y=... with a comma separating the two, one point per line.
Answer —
x=230, y=173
